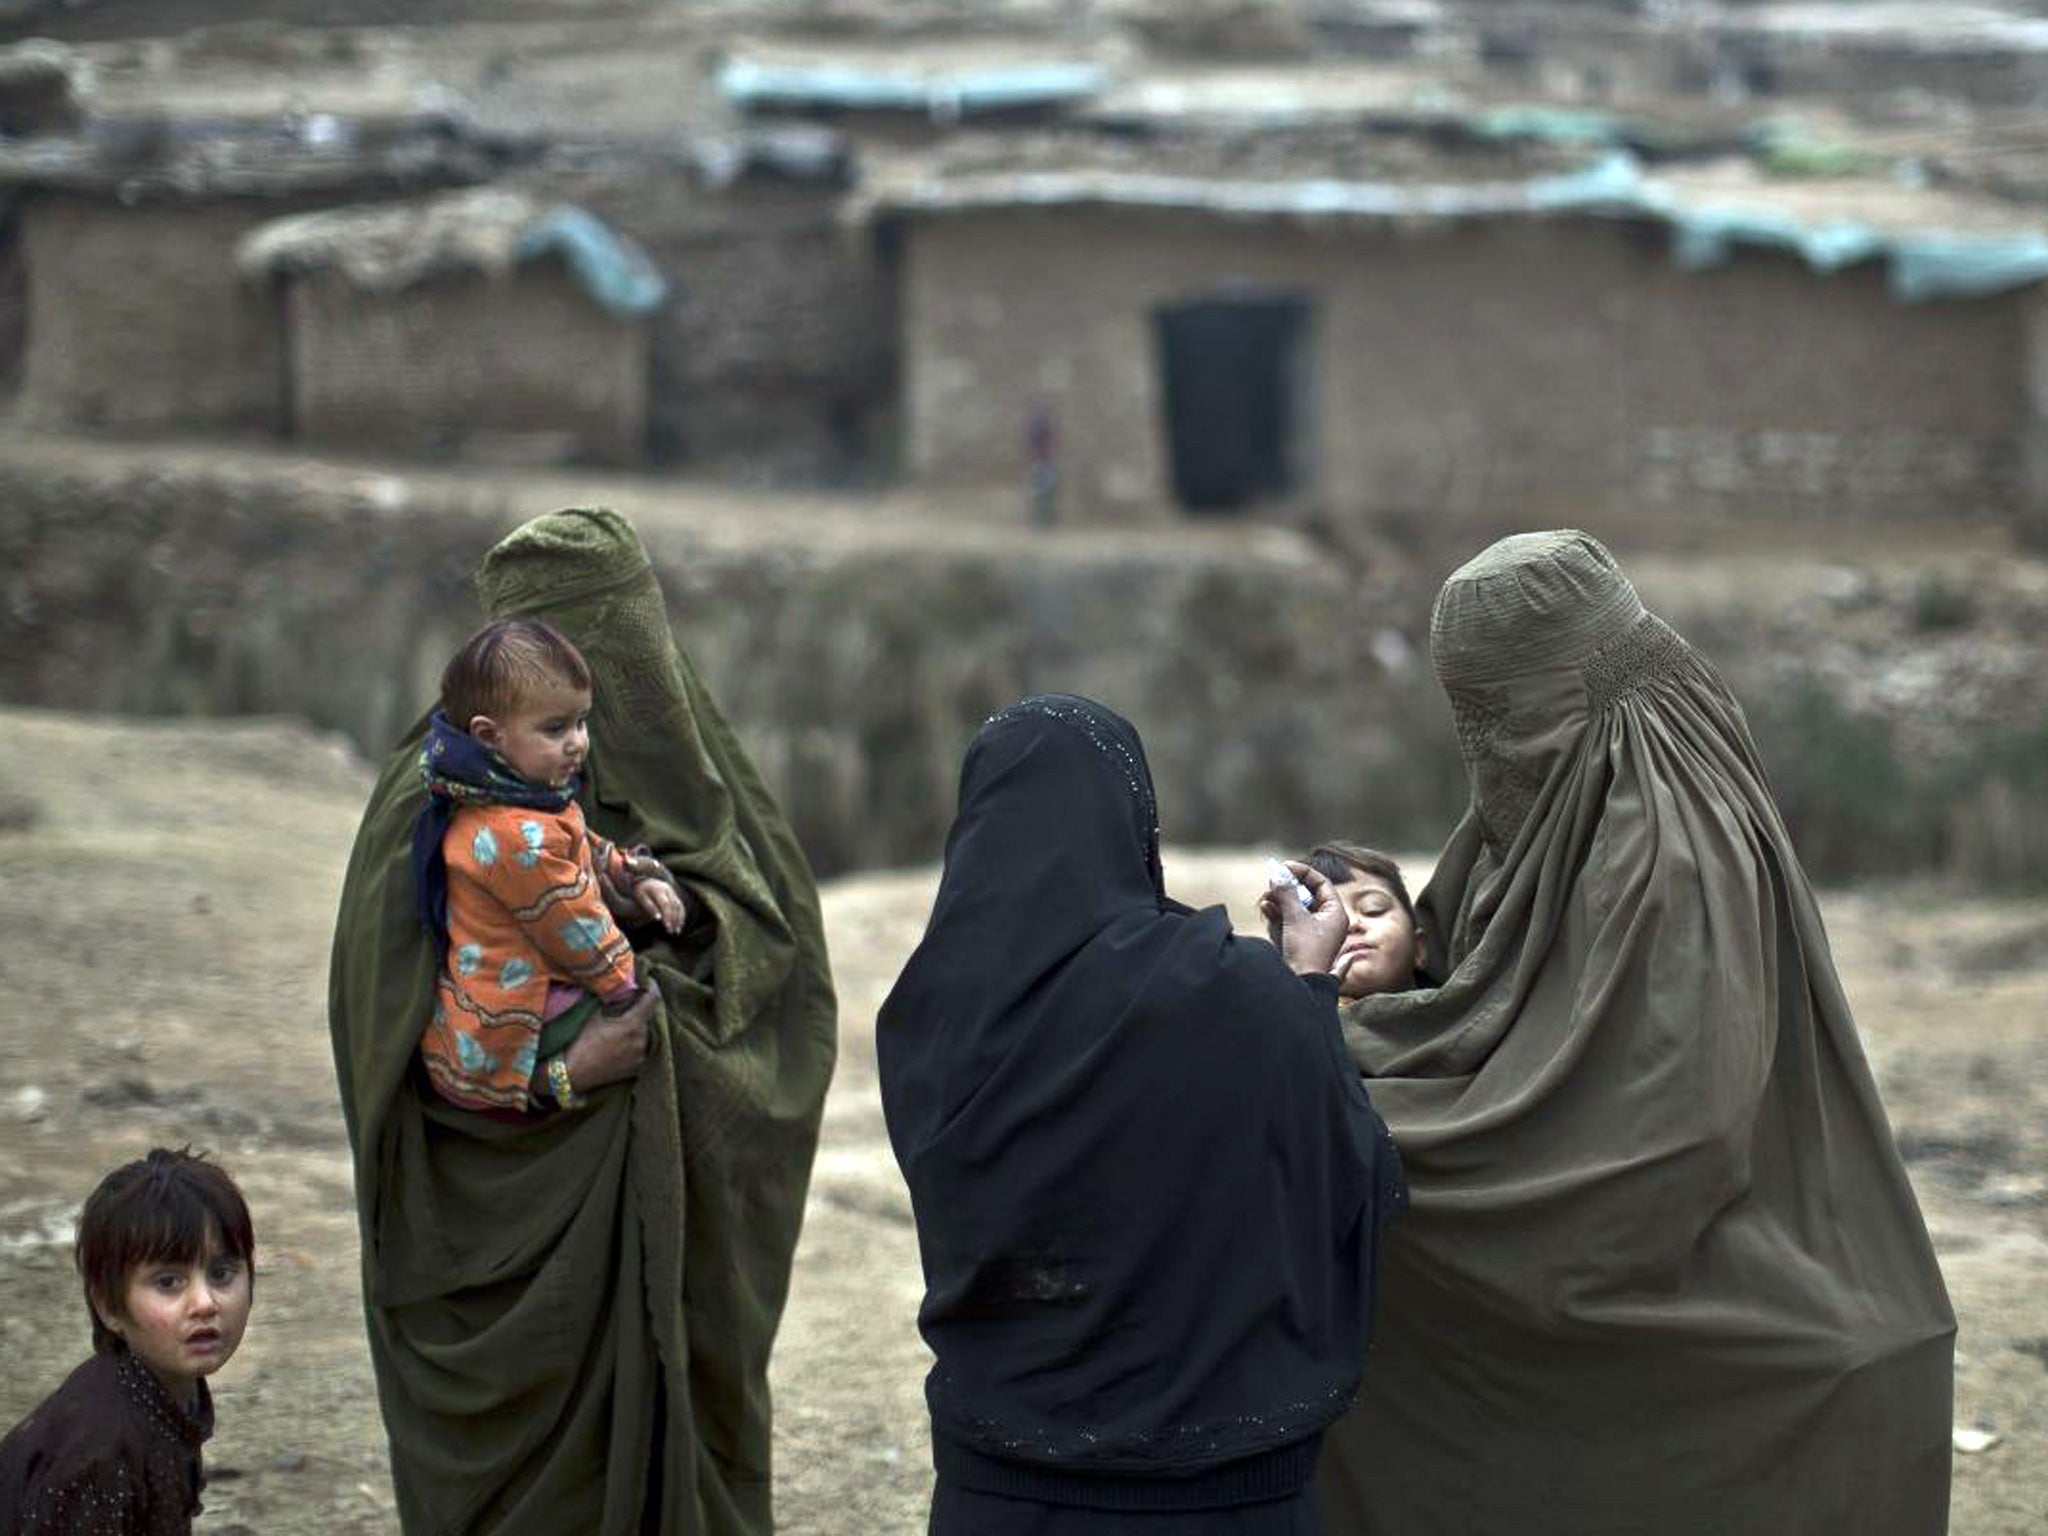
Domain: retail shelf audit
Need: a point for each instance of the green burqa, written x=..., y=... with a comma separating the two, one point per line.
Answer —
x=571, y=1318
x=1663, y=1274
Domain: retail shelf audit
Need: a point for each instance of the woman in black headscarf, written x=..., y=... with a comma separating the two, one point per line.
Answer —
x=1148, y=1184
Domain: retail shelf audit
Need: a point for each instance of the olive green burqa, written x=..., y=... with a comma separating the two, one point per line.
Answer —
x=571, y=1318
x=1663, y=1274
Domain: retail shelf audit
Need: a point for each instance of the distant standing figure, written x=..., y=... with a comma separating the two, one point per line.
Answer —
x=1149, y=1188
x=165, y=1250
x=1041, y=438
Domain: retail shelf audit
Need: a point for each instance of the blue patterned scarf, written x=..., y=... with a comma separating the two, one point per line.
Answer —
x=459, y=770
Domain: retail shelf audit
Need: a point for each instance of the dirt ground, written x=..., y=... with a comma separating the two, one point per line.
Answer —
x=166, y=895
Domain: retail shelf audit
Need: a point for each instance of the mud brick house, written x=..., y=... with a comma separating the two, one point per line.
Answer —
x=477, y=323
x=784, y=356
x=1700, y=337
x=133, y=316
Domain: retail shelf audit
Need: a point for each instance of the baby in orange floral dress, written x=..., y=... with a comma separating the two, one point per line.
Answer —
x=525, y=897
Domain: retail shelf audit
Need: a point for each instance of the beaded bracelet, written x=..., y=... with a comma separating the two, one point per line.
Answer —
x=559, y=1084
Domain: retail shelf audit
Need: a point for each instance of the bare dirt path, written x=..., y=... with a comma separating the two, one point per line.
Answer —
x=166, y=895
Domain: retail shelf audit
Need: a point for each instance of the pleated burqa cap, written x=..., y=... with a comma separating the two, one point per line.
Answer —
x=1662, y=1270
x=560, y=558
x=1532, y=600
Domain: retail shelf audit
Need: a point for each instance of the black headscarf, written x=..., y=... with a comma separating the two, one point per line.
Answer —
x=1148, y=1184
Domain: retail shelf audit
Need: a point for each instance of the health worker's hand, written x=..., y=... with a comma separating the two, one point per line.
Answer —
x=1308, y=938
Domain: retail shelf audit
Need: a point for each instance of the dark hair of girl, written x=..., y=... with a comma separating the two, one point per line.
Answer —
x=166, y=1208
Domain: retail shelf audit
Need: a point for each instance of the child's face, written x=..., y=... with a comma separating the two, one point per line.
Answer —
x=183, y=1320
x=1382, y=946
x=545, y=736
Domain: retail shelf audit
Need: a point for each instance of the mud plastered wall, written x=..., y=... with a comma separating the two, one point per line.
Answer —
x=1538, y=369
x=115, y=340
x=856, y=673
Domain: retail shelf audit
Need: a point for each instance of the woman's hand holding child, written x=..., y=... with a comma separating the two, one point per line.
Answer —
x=611, y=1047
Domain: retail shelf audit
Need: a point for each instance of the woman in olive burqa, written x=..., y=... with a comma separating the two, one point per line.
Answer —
x=1663, y=1271
x=1148, y=1185
x=570, y=1311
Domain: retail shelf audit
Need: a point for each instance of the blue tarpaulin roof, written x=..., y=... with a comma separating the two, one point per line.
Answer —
x=1922, y=263
x=389, y=247
x=1549, y=125
x=611, y=269
x=940, y=94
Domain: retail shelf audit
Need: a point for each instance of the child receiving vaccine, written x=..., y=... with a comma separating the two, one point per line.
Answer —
x=1384, y=947
x=522, y=895
x=164, y=1249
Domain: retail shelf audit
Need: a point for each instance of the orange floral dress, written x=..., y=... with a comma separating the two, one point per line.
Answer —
x=527, y=928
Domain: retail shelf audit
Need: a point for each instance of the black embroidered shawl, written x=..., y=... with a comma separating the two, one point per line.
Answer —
x=1148, y=1185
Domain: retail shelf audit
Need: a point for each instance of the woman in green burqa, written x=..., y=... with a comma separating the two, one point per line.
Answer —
x=1663, y=1274
x=570, y=1314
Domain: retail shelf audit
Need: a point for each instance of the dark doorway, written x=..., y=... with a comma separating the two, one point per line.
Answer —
x=1236, y=387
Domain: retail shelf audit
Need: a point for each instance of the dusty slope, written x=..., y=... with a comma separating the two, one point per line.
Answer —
x=165, y=895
